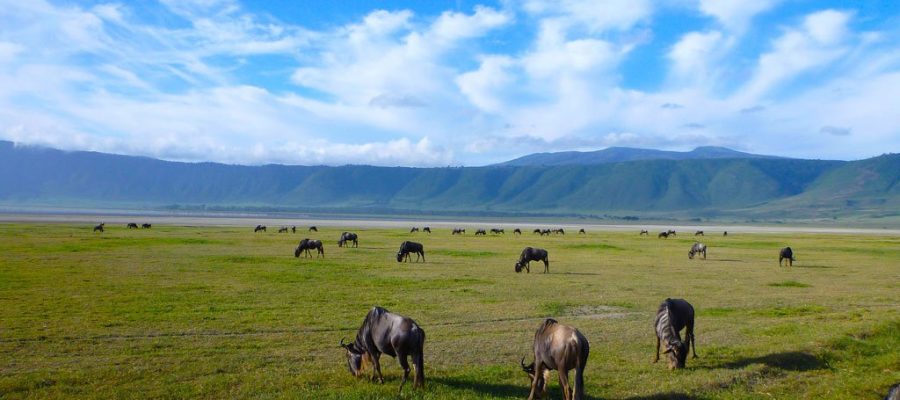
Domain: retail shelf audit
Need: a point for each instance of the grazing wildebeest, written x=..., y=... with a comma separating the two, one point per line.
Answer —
x=671, y=232
x=145, y=226
x=480, y=232
x=644, y=232
x=725, y=233
x=426, y=229
x=496, y=231
x=559, y=231
x=517, y=231
x=672, y=316
x=545, y=232
x=697, y=248
x=410, y=247
x=699, y=233
x=283, y=229
x=893, y=392
x=459, y=231
x=530, y=254
x=99, y=227
x=293, y=229
x=383, y=332
x=313, y=229
x=786, y=254
x=413, y=230
x=562, y=348
x=132, y=225
x=538, y=231
x=259, y=228
x=348, y=237
x=664, y=235
x=307, y=244
x=582, y=232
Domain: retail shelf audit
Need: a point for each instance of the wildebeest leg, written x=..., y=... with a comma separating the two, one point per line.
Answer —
x=546, y=265
x=656, y=359
x=538, y=373
x=401, y=357
x=564, y=384
x=690, y=333
x=423, y=257
x=376, y=368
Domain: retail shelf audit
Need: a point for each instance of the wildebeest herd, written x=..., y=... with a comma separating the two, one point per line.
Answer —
x=556, y=346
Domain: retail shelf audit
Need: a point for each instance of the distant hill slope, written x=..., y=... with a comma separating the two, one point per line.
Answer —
x=709, y=187
x=620, y=154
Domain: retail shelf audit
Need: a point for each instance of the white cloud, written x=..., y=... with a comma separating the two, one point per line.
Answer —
x=595, y=16
x=735, y=15
x=696, y=56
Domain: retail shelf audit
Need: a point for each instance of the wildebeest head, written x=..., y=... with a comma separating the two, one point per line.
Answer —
x=297, y=252
x=399, y=256
x=354, y=358
x=520, y=266
x=691, y=254
x=677, y=353
x=529, y=369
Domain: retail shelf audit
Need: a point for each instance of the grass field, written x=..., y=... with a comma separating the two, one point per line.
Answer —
x=212, y=312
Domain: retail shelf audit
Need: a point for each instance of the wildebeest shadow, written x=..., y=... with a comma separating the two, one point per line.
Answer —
x=502, y=390
x=813, y=266
x=788, y=361
x=579, y=273
x=664, y=396
x=728, y=260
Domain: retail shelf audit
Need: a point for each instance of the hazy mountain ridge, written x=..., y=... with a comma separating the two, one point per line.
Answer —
x=736, y=186
x=620, y=154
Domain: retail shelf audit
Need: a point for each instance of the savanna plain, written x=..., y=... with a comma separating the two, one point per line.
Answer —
x=222, y=312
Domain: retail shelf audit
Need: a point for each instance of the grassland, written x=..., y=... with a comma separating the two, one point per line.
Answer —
x=213, y=312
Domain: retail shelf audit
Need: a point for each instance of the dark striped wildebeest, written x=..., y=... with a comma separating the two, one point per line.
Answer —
x=145, y=226
x=699, y=233
x=426, y=229
x=530, y=254
x=480, y=232
x=459, y=231
x=671, y=232
x=132, y=225
x=538, y=231
x=664, y=235
x=517, y=231
x=293, y=229
x=786, y=254
x=545, y=232
x=348, y=237
x=383, y=332
x=644, y=232
x=283, y=229
x=307, y=244
x=559, y=231
x=99, y=227
x=582, y=232
x=697, y=248
x=672, y=316
x=497, y=231
x=313, y=229
x=259, y=228
x=410, y=247
x=414, y=229
x=562, y=348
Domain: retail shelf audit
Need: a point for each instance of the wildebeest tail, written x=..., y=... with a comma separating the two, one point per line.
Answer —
x=585, y=350
x=419, y=358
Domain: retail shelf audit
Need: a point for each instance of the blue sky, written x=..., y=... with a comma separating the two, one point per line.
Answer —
x=449, y=83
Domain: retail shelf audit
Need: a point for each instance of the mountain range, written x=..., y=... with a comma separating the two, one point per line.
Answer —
x=707, y=182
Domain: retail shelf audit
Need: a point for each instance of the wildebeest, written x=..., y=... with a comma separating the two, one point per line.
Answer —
x=132, y=225
x=307, y=244
x=671, y=232
x=383, y=332
x=562, y=348
x=672, y=316
x=459, y=231
x=313, y=229
x=699, y=233
x=538, y=231
x=259, y=228
x=582, y=232
x=480, y=232
x=517, y=231
x=786, y=254
x=293, y=229
x=497, y=231
x=530, y=254
x=893, y=392
x=283, y=229
x=664, y=235
x=414, y=229
x=348, y=237
x=644, y=232
x=560, y=231
x=410, y=247
x=426, y=229
x=725, y=233
x=145, y=226
x=697, y=248
x=545, y=232
x=99, y=227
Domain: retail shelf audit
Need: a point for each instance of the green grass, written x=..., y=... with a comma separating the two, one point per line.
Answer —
x=213, y=312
